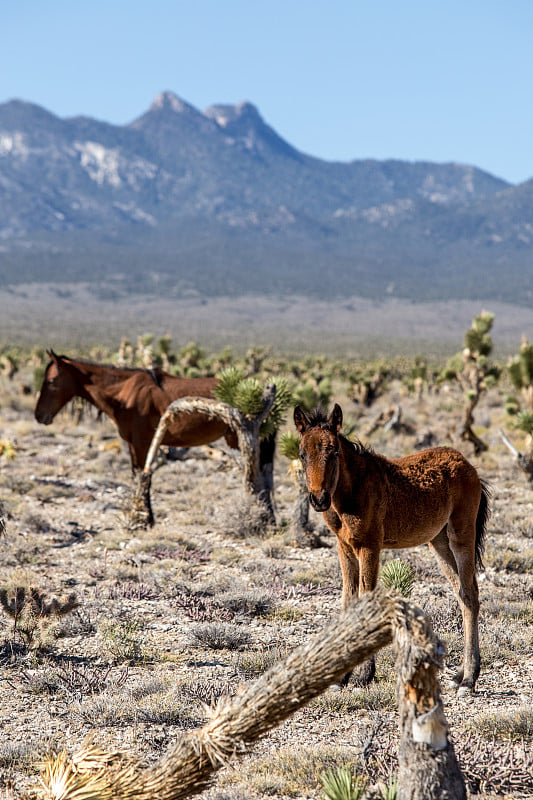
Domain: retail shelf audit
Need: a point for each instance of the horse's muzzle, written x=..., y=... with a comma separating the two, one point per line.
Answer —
x=44, y=418
x=321, y=503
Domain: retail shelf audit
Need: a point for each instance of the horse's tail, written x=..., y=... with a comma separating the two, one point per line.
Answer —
x=483, y=514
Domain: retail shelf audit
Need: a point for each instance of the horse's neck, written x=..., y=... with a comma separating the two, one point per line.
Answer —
x=94, y=387
x=352, y=465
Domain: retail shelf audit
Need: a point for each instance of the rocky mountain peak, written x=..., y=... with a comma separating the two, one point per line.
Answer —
x=168, y=101
x=226, y=115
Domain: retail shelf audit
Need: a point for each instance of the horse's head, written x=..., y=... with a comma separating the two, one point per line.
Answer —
x=319, y=453
x=57, y=389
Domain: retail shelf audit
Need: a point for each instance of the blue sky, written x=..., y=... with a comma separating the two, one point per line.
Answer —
x=342, y=79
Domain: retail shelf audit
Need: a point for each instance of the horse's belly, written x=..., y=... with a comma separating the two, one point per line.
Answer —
x=413, y=536
x=196, y=433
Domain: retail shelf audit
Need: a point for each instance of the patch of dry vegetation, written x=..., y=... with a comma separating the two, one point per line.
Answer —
x=173, y=618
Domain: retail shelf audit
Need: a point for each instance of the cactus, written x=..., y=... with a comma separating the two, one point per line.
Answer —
x=32, y=613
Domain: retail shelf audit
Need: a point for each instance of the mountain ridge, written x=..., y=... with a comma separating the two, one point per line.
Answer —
x=217, y=198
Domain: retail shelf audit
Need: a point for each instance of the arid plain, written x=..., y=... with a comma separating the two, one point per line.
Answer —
x=172, y=618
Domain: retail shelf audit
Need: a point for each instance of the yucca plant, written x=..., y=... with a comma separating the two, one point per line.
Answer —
x=246, y=394
x=398, y=575
x=289, y=445
x=388, y=791
x=341, y=783
x=520, y=370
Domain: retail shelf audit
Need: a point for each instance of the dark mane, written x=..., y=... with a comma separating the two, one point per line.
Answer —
x=318, y=418
x=153, y=372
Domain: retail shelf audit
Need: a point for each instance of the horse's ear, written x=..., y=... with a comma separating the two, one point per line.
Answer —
x=50, y=353
x=300, y=419
x=335, y=418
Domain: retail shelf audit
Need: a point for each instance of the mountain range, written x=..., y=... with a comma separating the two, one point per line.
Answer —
x=183, y=202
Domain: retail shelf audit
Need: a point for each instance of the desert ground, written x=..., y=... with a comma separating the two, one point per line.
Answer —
x=172, y=618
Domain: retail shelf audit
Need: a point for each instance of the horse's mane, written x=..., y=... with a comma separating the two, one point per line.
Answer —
x=153, y=373
x=318, y=418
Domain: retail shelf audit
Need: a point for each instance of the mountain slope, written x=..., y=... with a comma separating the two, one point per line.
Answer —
x=217, y=202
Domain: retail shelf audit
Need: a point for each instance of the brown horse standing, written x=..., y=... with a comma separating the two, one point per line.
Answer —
x=135, y=399
x=371, y=503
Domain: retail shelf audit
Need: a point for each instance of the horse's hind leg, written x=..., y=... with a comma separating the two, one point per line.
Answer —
x=457, y=561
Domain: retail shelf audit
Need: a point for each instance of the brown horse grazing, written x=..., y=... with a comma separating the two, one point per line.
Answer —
x=135, y=400
x=370, y=503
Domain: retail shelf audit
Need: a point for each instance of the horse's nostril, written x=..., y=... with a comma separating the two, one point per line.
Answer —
x=322, y=502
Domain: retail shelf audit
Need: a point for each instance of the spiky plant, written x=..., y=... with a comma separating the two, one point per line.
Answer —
x=520, y=408
x=246, y=394
x=289, y=445
x=32, y=613
x=398, y=575
x=388, y=791
x=341, y=783
x=313, y=392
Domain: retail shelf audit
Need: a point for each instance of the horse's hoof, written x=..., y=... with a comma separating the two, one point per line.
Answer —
x=465, y=692
x=456, y=681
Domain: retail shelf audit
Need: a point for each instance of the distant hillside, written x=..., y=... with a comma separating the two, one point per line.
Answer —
x=182, y=201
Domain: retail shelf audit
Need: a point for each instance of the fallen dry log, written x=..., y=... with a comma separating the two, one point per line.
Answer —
x=428, y=767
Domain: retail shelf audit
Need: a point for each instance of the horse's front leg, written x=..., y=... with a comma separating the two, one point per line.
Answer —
x=368, y=560
x=349, y=565
x=142, y=482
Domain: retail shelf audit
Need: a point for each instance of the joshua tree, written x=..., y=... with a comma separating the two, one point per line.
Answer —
x=369, y=382
x=474, y=372
x=252, y=411
x=520, y=369
x=289, y=444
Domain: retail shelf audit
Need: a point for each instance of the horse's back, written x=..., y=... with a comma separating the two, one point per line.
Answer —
x=175, y=387
x=437, y=465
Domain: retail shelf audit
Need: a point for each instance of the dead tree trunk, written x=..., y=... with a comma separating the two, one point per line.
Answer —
x=372, y=622
x=524, y=460
x=300, y=515
x=428, y=767
x=256, y=481
x=471, y=382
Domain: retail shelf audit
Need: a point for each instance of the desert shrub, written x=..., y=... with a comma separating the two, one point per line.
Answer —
x=123, y=642
x=216, y=636
x=515, y=725
x=244, y=519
